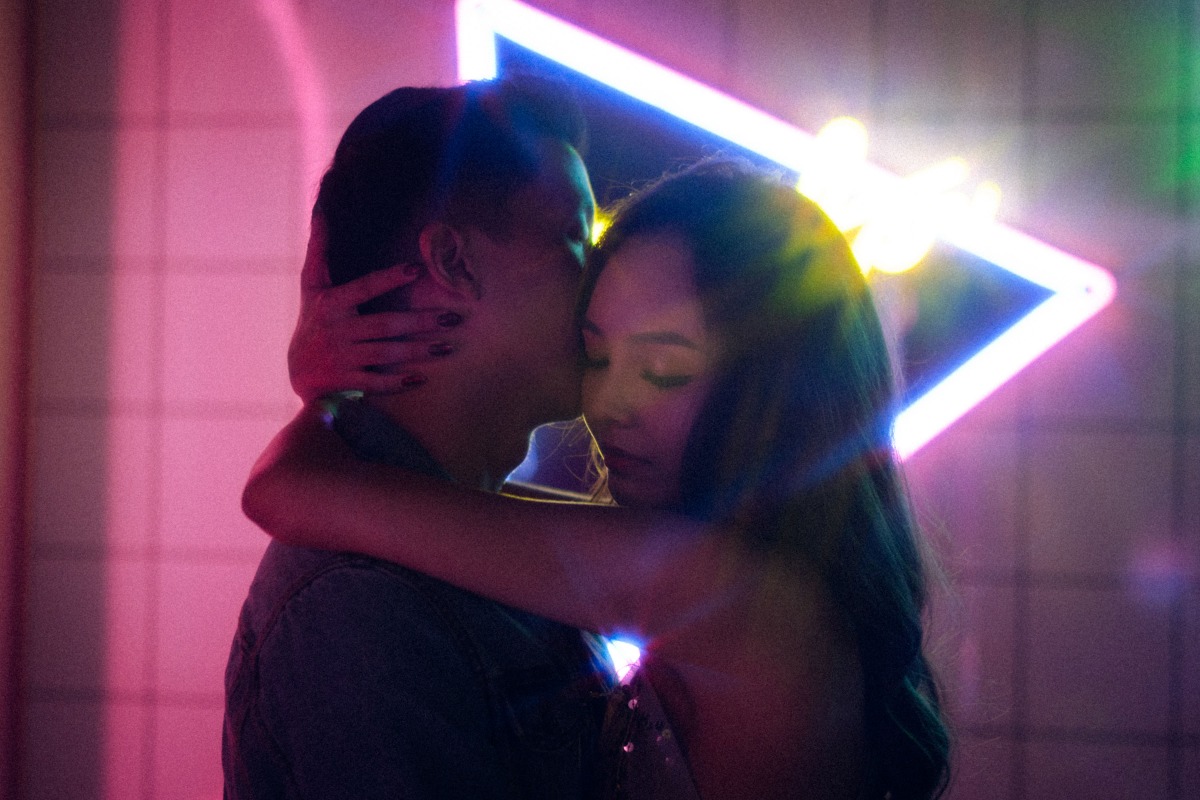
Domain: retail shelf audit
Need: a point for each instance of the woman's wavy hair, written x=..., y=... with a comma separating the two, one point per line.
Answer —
x=793, y=444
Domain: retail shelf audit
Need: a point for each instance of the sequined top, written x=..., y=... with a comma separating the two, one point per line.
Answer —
x=644, y=760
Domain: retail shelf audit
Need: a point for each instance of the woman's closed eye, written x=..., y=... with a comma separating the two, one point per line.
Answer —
x=666, y=381
x=594, y=362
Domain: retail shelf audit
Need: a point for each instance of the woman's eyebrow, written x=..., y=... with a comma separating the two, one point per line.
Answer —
x=665, y=337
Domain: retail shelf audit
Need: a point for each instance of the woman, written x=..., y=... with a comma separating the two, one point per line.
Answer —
x=736, y=377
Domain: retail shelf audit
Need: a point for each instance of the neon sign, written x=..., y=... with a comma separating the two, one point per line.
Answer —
x=893, y=232
x=854, y=196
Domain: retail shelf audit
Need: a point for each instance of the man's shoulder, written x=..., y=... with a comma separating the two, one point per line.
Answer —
x=285, y=569
x=289, y=577
x=323, y=587
x=380, y=673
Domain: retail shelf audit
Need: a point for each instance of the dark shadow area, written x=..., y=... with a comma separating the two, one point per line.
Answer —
x=61, y=746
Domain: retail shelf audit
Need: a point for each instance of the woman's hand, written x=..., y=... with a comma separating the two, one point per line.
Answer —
x=334, y=348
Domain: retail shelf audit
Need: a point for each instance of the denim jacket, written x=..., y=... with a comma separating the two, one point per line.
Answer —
x=351, y=677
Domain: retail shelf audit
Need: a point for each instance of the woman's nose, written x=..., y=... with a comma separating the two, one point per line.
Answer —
x=613, y=407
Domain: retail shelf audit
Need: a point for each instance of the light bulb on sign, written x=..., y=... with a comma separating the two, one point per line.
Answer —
x=833, y=175
x=599, y=226
x=891, y=230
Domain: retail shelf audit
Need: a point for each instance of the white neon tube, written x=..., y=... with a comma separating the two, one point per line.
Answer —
x=1080, y=289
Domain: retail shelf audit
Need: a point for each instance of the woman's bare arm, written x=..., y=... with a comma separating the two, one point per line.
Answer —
x=611, y=570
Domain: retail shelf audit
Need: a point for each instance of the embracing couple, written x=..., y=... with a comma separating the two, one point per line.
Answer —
x=413, y=633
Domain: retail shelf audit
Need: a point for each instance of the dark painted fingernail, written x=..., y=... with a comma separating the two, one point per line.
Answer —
x=411, y=381
x=449, y=319
x=441, y=349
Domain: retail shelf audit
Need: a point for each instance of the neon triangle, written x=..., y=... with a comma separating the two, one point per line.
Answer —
x=1078, y=289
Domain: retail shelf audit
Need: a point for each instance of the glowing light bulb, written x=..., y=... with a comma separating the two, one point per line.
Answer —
x=845, y=137
x=625, y=656
x=986, y=201
x=937, y=179
x=903, y=226
x=599, y=226
x=829, y=178
x=895, y=242
x=891, y=227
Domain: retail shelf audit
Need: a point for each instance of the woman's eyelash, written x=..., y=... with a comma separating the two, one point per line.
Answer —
x=594, y=363
x=653, y=378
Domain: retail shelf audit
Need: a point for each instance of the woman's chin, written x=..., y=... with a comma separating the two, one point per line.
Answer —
x=648, y=494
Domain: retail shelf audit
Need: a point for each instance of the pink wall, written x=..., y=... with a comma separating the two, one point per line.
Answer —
x=177, y=146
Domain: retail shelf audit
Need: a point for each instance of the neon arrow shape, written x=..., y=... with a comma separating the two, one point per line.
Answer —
x=1079, y=289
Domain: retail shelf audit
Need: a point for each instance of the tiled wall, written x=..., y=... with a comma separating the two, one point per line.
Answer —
x=178, y=143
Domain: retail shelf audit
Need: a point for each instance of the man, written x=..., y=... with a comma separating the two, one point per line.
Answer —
x=351, y=677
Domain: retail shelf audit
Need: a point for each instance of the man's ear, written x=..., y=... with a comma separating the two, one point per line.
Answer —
x=448, y=259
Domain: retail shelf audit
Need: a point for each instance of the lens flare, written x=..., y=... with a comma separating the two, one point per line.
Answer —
x=859, y=195
x=599, y=227
x=892, y=228
x=625, y=657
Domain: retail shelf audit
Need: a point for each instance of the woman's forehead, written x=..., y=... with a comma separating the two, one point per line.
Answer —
x=647, y=282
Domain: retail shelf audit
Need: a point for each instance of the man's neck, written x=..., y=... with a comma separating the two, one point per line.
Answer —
x=472, y=445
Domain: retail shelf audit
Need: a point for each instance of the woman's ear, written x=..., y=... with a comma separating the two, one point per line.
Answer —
x=447, y=258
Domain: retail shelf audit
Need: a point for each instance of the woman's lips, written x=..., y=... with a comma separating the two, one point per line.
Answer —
x=621, y=461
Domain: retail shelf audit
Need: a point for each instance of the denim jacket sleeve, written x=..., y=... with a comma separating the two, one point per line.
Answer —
x=369, y=696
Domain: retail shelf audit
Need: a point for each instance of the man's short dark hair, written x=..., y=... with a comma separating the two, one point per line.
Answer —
x=419, y=155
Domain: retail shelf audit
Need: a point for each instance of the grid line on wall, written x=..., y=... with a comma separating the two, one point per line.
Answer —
x=156, y=438
x=197, y=700
x=1023, y=555
x=1186, y=115
x=1043, y=733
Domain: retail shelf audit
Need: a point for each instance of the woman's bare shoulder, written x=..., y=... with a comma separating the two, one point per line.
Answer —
x=780, y=667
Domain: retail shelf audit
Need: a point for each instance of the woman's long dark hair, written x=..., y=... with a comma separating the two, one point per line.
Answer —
x=793, y=444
